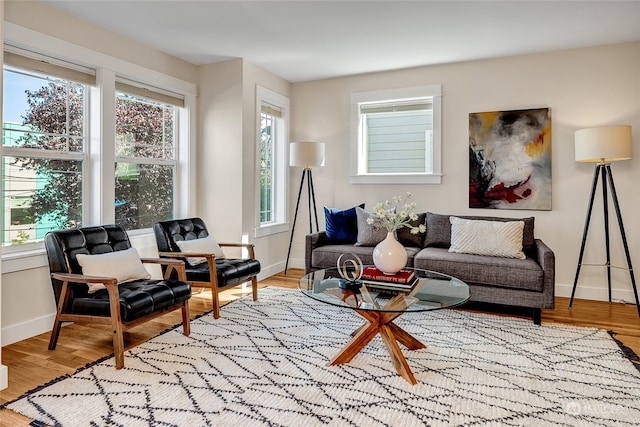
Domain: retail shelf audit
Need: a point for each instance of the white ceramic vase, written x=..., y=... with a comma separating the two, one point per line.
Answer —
x=389, y=256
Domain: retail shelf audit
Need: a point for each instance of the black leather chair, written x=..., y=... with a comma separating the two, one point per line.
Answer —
x=122, y=306
x=215, y=274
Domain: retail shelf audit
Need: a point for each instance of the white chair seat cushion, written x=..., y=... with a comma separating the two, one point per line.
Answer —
x=491, y=238
x=206, y=245
x=125, y=266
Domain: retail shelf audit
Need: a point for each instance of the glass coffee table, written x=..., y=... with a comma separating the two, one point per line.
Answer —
x=433, y=291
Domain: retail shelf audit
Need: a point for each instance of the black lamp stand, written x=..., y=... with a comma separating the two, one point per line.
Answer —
x=607, y=179
x=311, y=196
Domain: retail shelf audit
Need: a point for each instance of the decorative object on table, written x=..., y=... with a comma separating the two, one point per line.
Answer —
x=603, y=145
x=306, y=155
x=389, y=255
x=510, y=159
x=350, y=271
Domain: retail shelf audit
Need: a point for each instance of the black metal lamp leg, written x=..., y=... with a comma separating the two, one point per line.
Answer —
x=605, y=208
x=594, y=185
x=295, y=217
x=624, y=239
x=313, y=197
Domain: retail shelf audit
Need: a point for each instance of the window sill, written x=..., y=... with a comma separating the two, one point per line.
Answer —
x=396, y=179
x=24, y=260
x=268, y=230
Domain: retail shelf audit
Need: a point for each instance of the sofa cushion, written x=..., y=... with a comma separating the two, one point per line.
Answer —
x=407, y=238
x=439, y=229
x=491, y=238
x=479, y=269
x=341, y=225
x=368, y=234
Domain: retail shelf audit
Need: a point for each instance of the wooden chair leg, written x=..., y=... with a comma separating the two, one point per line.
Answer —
x=216, y=302
x=57, y=323
x=186, y=324
x=254, y=287
x=118, y=344
x=55, y=332
x=116, y=323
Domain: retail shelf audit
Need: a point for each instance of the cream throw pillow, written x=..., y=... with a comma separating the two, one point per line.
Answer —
x=125, y=266
x=492, y=238
x=204, y=245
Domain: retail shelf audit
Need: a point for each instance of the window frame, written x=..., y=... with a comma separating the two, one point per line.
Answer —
x=98, y=203
x=279, y=223
x=78, y=156
x=357, y=150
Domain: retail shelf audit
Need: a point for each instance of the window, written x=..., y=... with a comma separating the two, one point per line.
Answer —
x=273, y=113
x=43, y=138
x=396, y=136
x=145, y=159
x=80, y=150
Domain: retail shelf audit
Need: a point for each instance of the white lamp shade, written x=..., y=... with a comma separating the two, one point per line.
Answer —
x=603, y=144
x=306, y=154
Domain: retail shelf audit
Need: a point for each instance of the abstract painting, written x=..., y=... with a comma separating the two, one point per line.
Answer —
x=510, y=159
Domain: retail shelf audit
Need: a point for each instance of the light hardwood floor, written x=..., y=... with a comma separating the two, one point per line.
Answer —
x=30, y=364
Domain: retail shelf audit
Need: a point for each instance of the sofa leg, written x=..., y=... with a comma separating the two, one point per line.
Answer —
x=537, y=316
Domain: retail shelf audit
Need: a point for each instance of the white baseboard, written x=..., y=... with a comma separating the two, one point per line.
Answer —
x=596, y=293
x=22, y=331
x=4, y=377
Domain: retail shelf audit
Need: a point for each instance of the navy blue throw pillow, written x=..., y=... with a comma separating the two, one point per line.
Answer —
x=341, y=225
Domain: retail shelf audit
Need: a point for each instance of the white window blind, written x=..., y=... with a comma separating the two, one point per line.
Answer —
x=31, y=61
x=271, y=110
x=149, y=92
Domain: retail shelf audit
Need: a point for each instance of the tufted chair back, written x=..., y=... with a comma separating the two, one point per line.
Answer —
x=63, y=245
x=168, y=232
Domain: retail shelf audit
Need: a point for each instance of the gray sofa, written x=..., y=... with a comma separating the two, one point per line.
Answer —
x=528, y=282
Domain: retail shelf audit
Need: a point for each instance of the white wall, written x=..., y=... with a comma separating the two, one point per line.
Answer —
x=583, y=87
x=227, y=156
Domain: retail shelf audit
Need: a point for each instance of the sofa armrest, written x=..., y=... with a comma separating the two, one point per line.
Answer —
x=312, y=241
x=545, y=257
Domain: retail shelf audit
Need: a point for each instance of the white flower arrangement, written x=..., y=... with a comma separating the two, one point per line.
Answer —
x=396, y=214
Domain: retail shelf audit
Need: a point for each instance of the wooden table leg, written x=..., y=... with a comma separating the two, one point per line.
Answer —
x=391, y=334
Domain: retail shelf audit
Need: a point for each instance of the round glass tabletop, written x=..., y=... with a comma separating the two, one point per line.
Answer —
x=429, y=290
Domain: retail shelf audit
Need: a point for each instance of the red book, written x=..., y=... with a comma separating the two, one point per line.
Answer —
x=372, y=273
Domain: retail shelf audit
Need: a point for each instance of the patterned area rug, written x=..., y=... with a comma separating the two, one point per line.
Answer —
x=265, y=363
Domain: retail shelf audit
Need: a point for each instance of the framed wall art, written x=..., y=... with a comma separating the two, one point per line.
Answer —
x=510, y=159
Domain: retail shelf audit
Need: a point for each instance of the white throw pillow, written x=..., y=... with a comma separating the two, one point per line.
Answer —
x=492, y=238
x=125, y=266
x=205, y=245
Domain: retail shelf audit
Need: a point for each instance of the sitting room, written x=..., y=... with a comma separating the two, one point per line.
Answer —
x=369, y=213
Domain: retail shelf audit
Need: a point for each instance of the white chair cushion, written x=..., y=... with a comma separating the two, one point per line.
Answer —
x=207, y=245
x=125, y=266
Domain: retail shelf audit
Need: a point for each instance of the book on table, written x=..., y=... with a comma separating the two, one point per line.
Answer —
x=402, y=277
x=390, y=288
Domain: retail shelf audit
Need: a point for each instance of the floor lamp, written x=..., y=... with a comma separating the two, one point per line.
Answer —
x=603, y=145
x=306, y=155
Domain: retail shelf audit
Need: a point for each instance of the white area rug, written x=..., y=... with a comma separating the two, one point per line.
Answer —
x=264, y=363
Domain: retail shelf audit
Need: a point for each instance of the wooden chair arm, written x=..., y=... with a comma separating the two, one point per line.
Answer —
x=238, y=245
x=249, y=246
x=187, y=255
x=165, y=261
x=172, y=264
x=81, y=278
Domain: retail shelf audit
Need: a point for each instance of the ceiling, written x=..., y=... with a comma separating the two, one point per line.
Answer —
x=310, y=40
